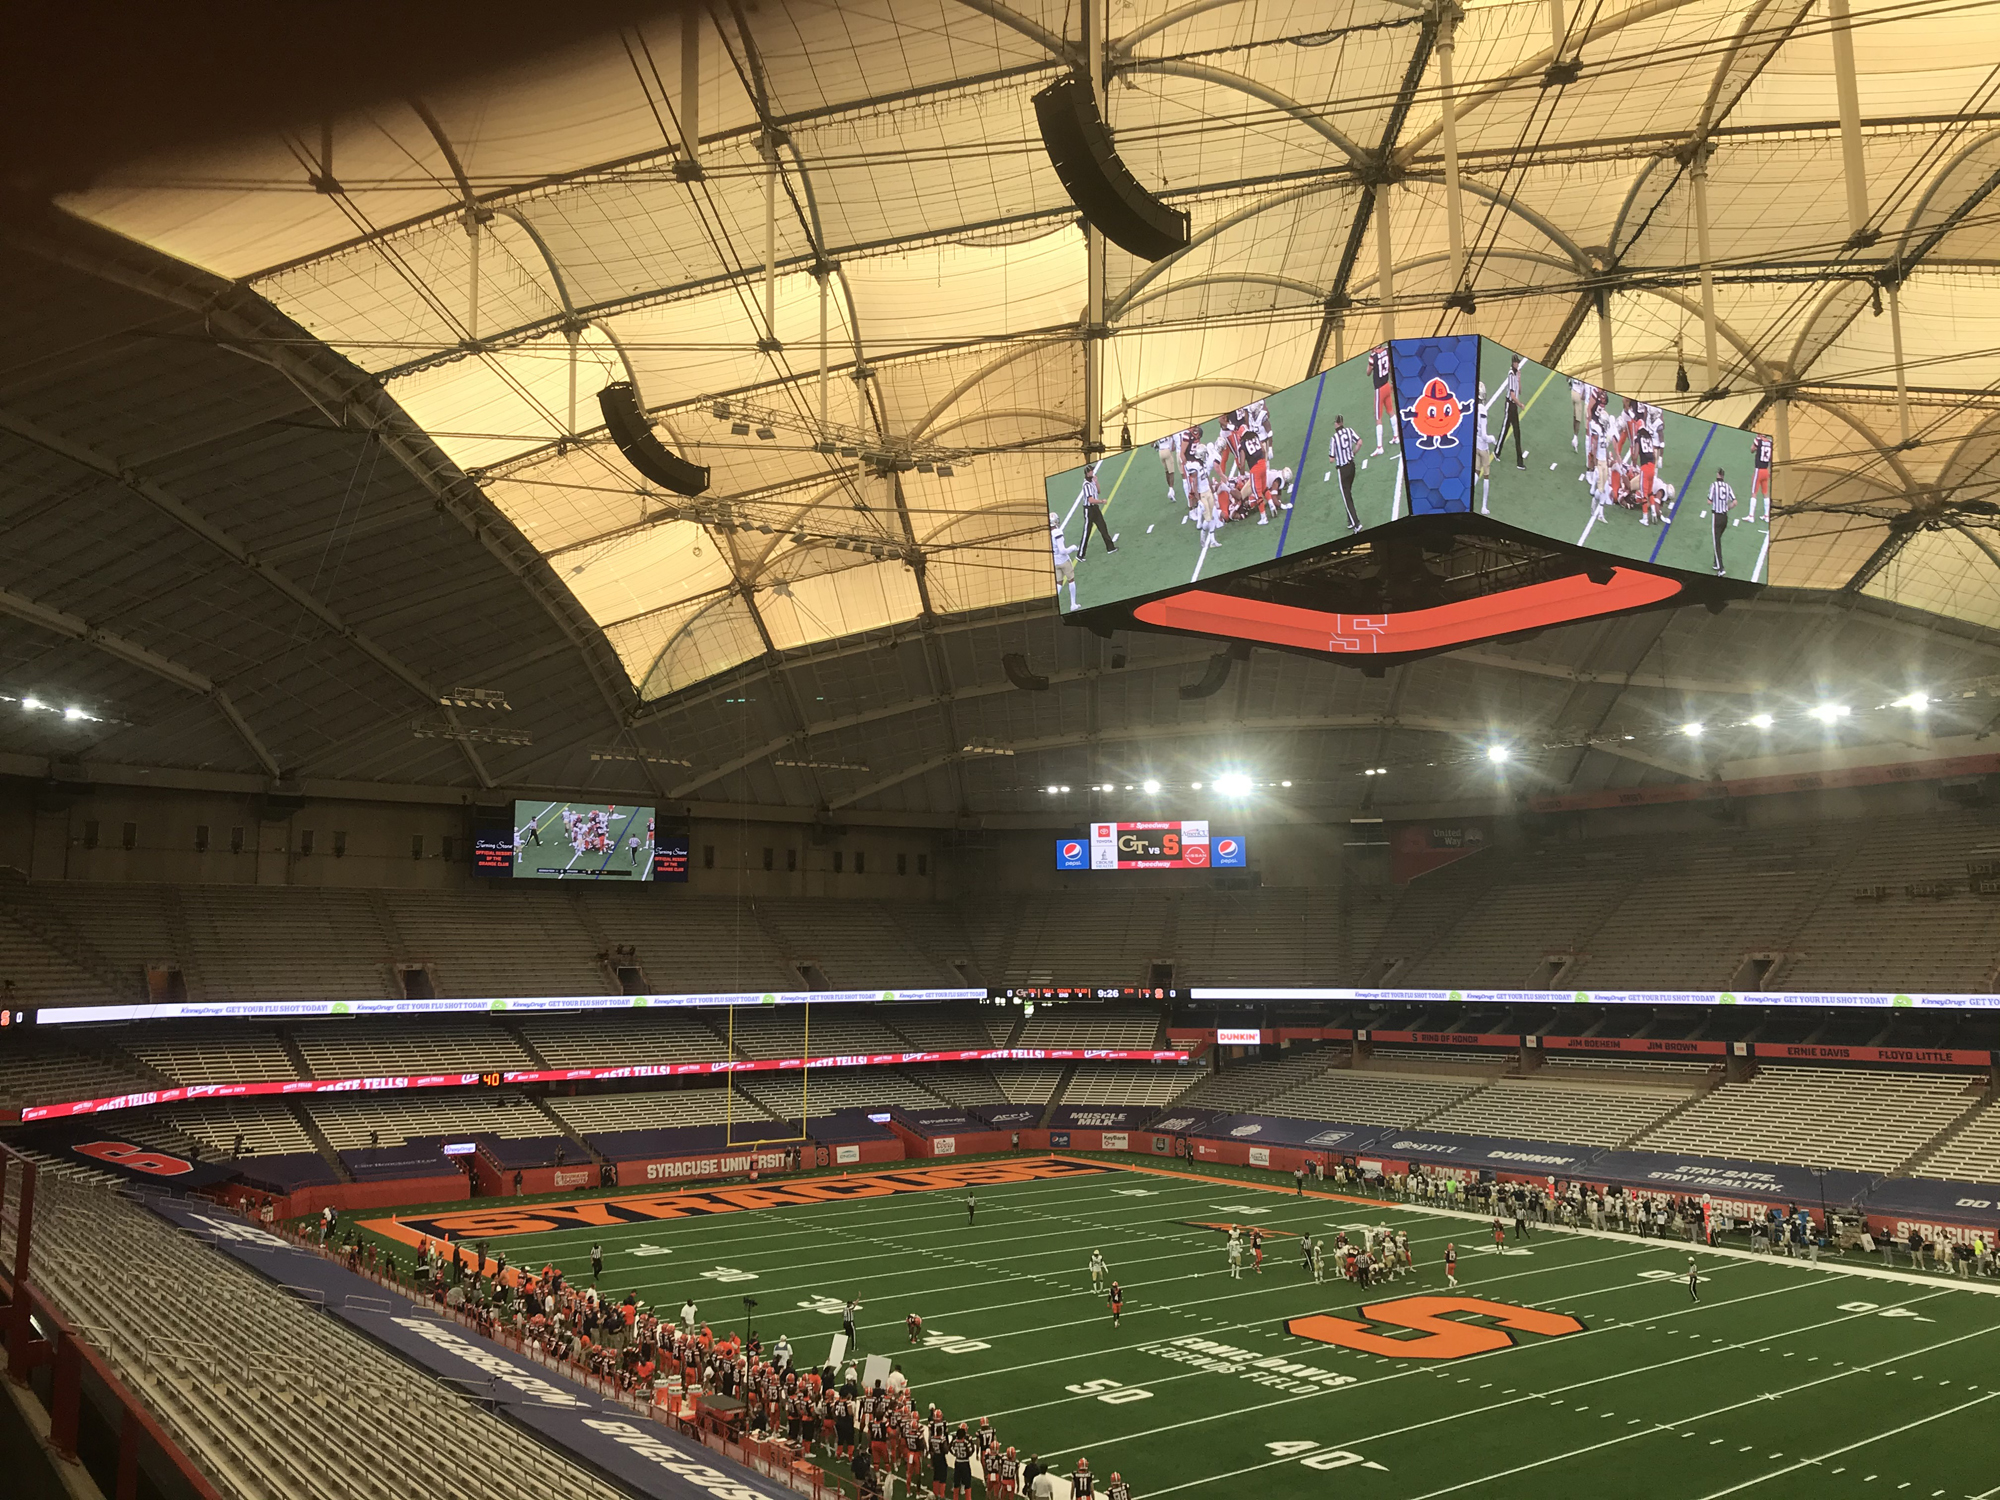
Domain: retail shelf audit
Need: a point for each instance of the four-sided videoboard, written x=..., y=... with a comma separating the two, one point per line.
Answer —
x=1425, y=494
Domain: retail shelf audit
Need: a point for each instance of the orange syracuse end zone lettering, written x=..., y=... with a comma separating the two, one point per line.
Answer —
x=1443, y=1338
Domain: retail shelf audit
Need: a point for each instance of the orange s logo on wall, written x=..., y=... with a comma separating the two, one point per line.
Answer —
x=134, y=1158
x=1442, y=1337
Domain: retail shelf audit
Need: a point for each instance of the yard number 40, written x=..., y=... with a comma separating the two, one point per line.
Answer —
x=1111, y=1392
x=1318, y=1457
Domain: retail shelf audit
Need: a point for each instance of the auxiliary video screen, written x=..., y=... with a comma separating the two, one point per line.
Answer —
x=1151, y=846
x=582, y=841
x=1435, y=426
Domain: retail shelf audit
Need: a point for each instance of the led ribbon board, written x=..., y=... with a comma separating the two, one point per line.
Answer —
x=1423, y=495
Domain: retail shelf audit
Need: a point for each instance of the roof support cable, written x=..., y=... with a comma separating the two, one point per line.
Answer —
x=688, y=169
x=1454, y=210
x=1385, y=262
x=1607, y=364
x=1849, y=95
x=769, y=344
x=1902, y=378
x=1698, y=170
x=1096, y=31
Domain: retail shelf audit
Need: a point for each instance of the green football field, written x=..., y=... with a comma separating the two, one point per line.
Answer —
x=1785, y=1379
x=1548, y=495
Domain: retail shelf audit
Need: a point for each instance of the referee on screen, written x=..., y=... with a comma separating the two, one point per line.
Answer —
x=1341, y=448
x=1721, y=500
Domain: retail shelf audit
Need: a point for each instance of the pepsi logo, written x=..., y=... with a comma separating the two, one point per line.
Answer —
x=1072, y=850
x=1225, y=848
x=1195, y=854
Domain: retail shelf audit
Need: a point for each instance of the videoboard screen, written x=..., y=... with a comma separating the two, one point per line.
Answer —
x=1437, y=426
x=582, y=841
x=670, y=855
x=1150, y=846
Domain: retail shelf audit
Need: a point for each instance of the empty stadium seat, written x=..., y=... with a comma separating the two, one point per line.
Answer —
x=1836, y=1117
x=1142, y=1084
x=204, y=1342
x=1538, y=1110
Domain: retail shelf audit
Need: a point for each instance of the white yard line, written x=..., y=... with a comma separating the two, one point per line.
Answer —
x=1576, y=1386
x=1849, y=1448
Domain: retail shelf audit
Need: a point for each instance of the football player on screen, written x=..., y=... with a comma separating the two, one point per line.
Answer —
x=1760, y=476
x=1385, y=397
x=1065, y=559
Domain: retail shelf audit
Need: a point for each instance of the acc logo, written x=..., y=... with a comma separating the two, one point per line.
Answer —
x=1441, y=1337
x=1195, y=854
x=134, y=1158
x=1246, y=1129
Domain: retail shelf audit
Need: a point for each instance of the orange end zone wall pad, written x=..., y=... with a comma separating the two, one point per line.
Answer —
x=598, y=1213
x=1575, y=597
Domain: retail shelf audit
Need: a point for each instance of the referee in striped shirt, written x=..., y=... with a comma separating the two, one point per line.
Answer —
x=1341, y=448
x=1721, y=500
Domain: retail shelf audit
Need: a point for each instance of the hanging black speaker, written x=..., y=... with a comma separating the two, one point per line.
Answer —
x=643, y=451
x=1108, y=195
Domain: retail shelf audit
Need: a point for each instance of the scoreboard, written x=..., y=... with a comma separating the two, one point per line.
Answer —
x=1150, y=846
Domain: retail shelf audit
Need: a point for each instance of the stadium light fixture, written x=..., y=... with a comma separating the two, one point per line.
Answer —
x=1498, y=754
x=32, y=705
x=1693, y=729
x=1827, y=713
x=1195, y=784
x=1053, y=790
x=1151, y=788
x=1762, y=721
x=1233, y=784
x=1284, y=783
x=1915, y=702
x=1065, y=788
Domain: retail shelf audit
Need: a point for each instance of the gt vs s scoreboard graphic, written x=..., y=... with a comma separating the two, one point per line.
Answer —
x=1150, y=846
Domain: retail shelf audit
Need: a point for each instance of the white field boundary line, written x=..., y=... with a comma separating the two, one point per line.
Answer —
x=721, y=1243
x=1679, y=1422
x=1493, y=1406
x=1163, y=1281
x=1574, y=1386
x=1418, y=1369
x=832, y=1209
x=997, y=1263
x=1805, y=1463
x=1069, y=1356
x=991, y=1264
x=1693, y=1247
x=636, y=1284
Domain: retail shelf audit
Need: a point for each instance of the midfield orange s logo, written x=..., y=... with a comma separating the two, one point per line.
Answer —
x=1442, y=1337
